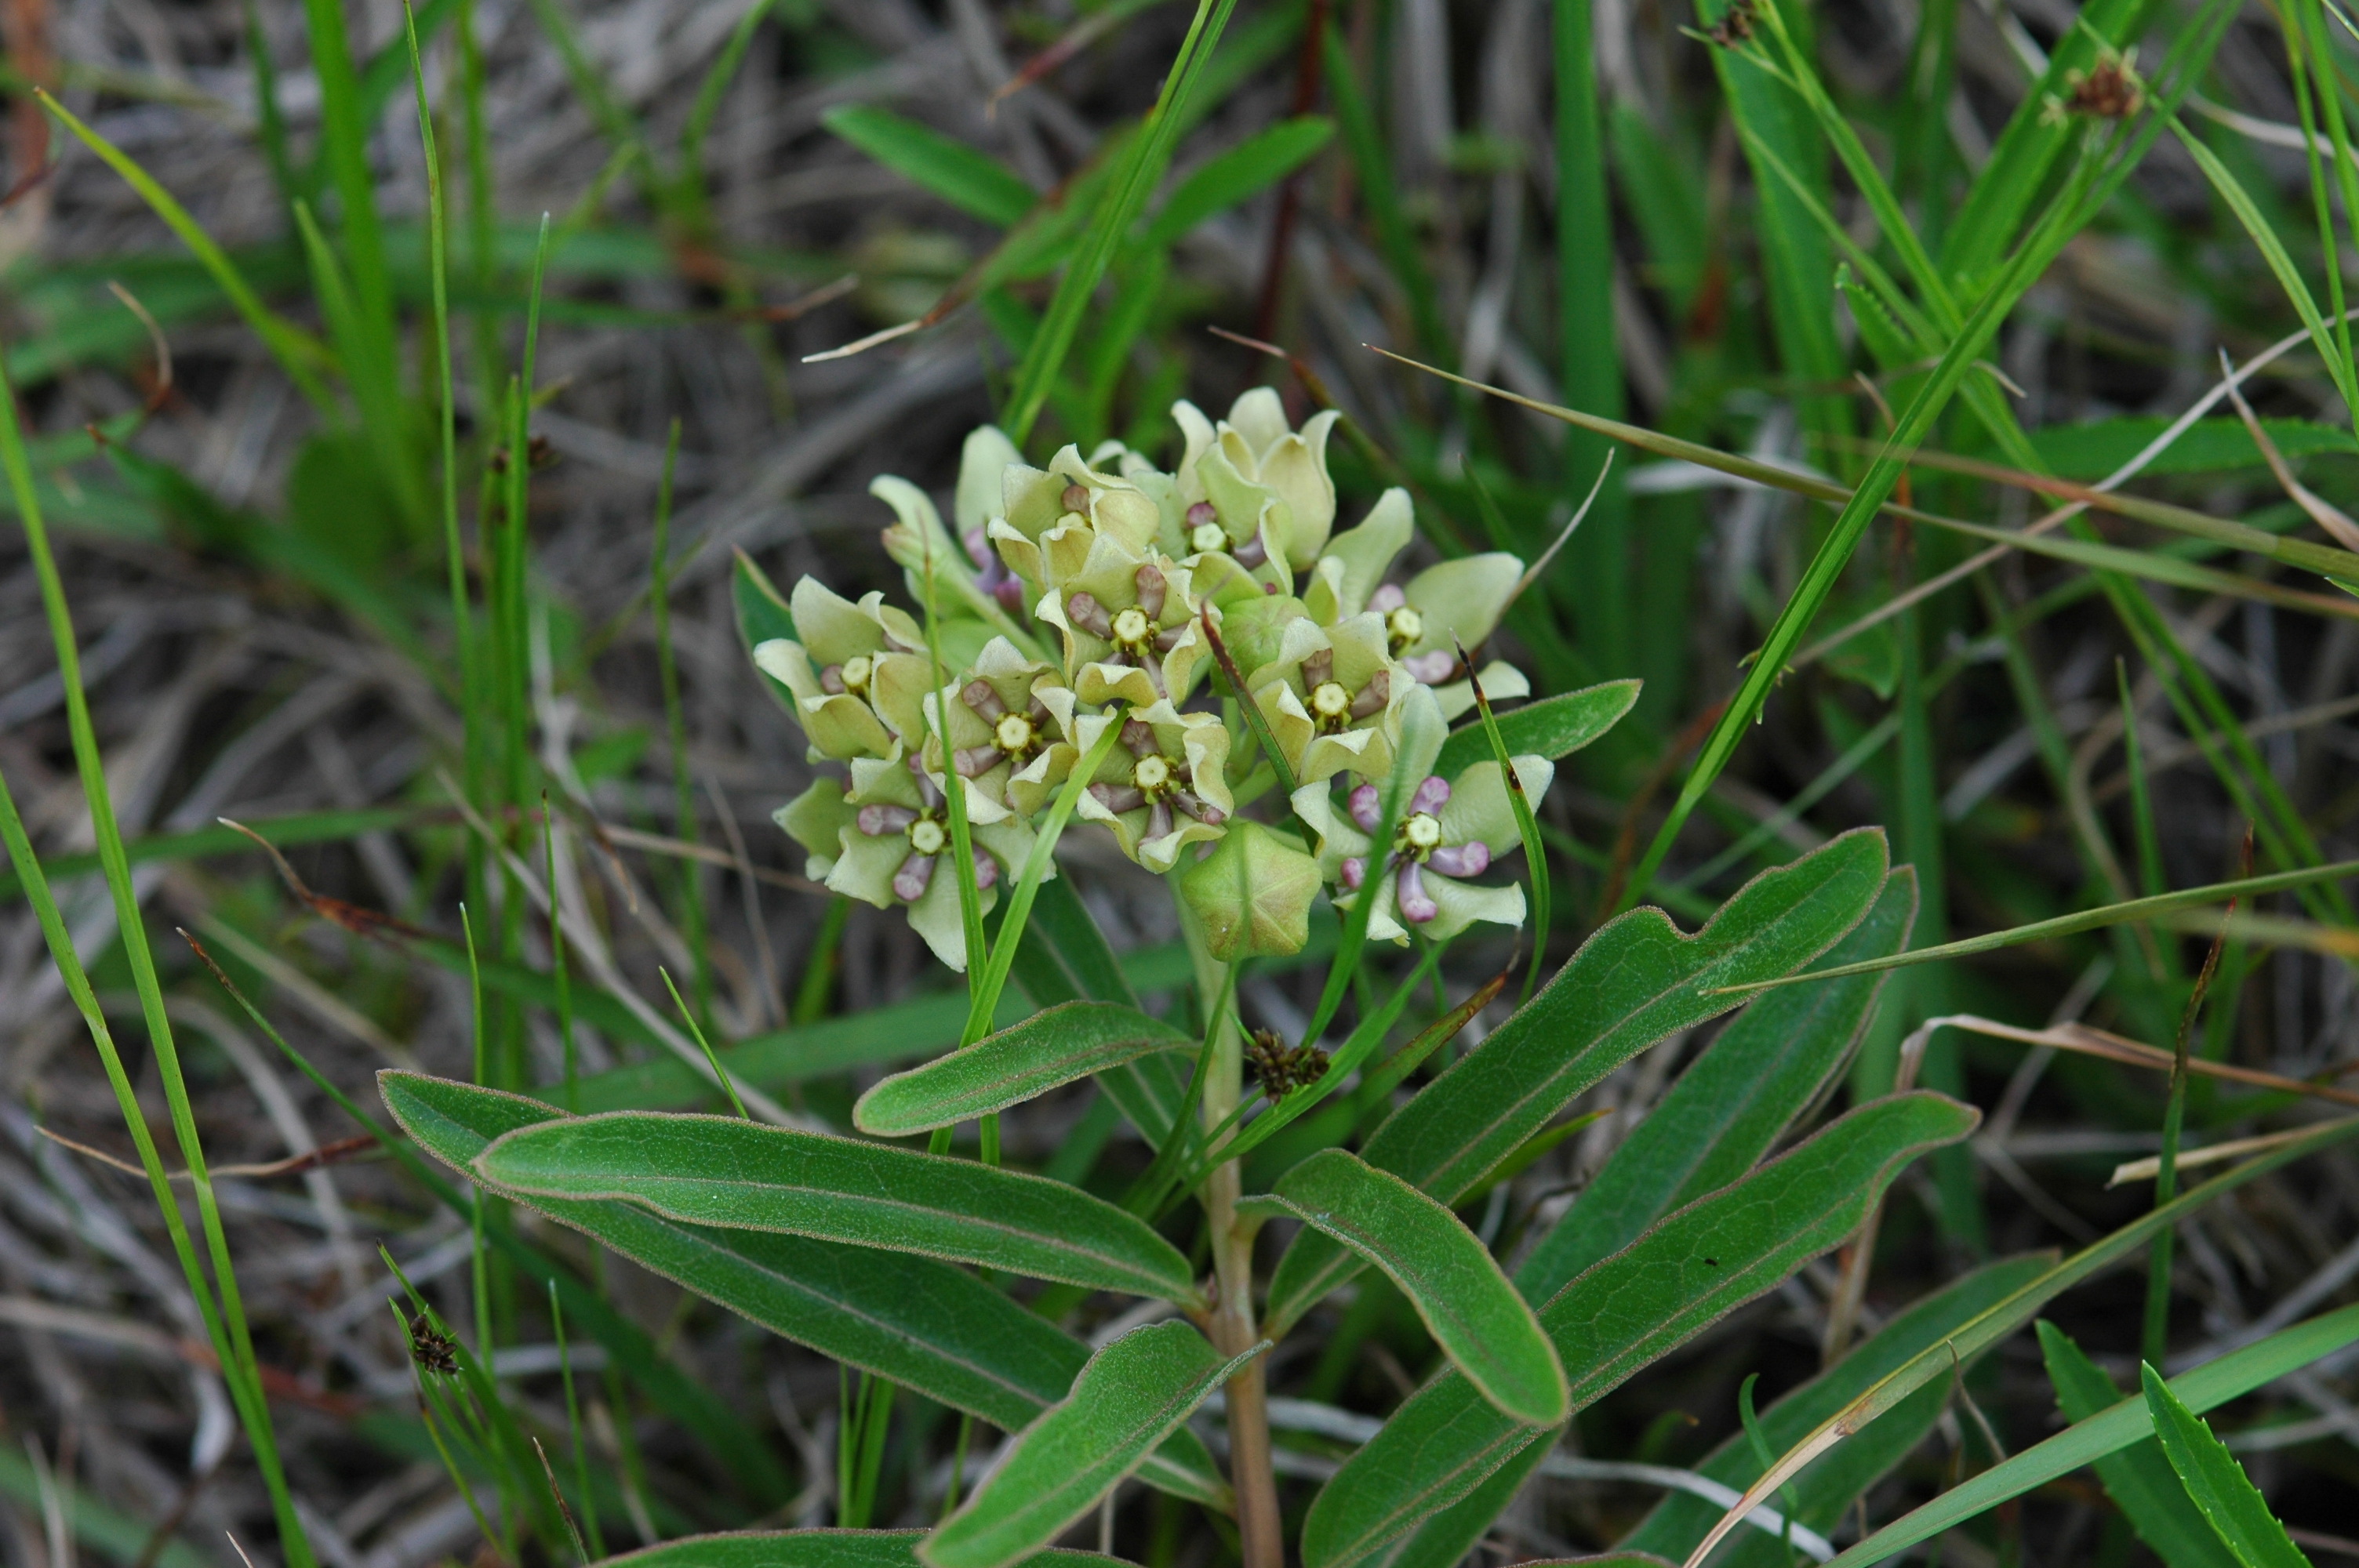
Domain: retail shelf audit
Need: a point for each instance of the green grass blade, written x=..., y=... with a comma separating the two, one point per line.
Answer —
x=1253, y=164
x=743, y=1175
x=1536, y=863
x=1143, y=166
x=299, y=353
x=2137, y=909
x=1486, y=1329
x=967, y=177
x=813, y=1549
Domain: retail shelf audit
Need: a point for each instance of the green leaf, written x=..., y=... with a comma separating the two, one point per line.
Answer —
x=1827, y=1489
x=2216, y=1483
x=967, y=177
x=1132, y=1395
x=1637, y=979
x=2139, y=1478
x=1243, y=171
x=1474, y=1313
x=1553, y=727
x=2209, y=446
x=1729, y=1105
x=1636, y=1306
x=2131, y=1420
x=712, y=1170
x=812, y=1549
x=1996, y=1323
x=762, y=616
x=932, y=1329
x=1046, y=1051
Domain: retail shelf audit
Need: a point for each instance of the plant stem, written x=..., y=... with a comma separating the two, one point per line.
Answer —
x=1232, y=1327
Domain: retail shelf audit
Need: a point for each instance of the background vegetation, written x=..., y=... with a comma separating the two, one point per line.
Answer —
x=2022, y=236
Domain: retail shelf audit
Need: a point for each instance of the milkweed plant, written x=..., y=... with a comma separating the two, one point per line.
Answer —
x=1266, y=711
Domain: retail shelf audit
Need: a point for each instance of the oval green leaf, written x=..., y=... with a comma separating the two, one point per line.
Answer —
x=814, y=1549
x=1474, y=1313
x=931, y=1327
x=1046, y=1051
x=1553, y=727
x=740, y=1175
x=1132, y=1395
x=1652, y=1295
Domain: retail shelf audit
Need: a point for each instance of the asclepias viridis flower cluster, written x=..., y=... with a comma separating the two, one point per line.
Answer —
x=1089, y=615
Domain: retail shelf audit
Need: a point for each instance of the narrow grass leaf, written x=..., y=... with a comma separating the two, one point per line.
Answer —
x=2116, y=1427
x=1449, y=1277
x=2138, y=1477
x=929, y=1327
x=1993, y=1325
x=1628, y=1311
x=1237, y=175
x=1132, y=1395
x=762, y=617
x=1637, y=979
x=2215, y=1482
x=1827, y=1489
x=1046, y=1051
x=1553, y=727
x=966, y=176
x=814, y=1548
x=2135, y=909
x=738, y=1175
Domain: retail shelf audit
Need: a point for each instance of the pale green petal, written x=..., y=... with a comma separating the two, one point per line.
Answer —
x=834, y=629
x=814, y=818
x=1031, y=499
x=866, y=865
x=1259, y=416
x=1479, y=806
x=1338, y=838
x=1366, y=553
x=1460, y=905
x=1196, y=433
x=1466, y=596
x=938, y=918
x=1296, y=467
x=982, y=471
x=1242, y=505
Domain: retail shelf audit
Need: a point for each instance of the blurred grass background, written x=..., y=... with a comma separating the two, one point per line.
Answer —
x=218, y=296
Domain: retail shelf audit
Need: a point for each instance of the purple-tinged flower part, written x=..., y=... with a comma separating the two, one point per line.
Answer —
x=1139, y=637
x=1446, y=833
x=1416, y=905
x=991, y=574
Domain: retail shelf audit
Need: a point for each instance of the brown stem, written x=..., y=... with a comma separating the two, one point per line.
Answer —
x=1234, y=1332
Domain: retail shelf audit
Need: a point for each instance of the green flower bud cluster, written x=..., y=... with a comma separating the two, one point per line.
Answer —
x=1080, y=611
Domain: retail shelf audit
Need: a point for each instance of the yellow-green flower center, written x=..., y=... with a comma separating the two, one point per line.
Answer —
x=926, y=836
x=1131, y=627
x=1152, y=774
x=1404, y=627
x=1209, y=536
x=855, y=673
x=1421, y=834
x=1014, y=733
x=1330, y=701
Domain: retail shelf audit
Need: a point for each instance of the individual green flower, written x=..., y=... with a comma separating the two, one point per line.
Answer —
x=1253, y=893
x=1262, y=478
x=851, y=673
x=1129, y=625
x=1010, y=721
x=1049, y=517
x=1332, y=698
x=1447, y=831
x=887, y=841
x=1163, y=787
x=1456, y=604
